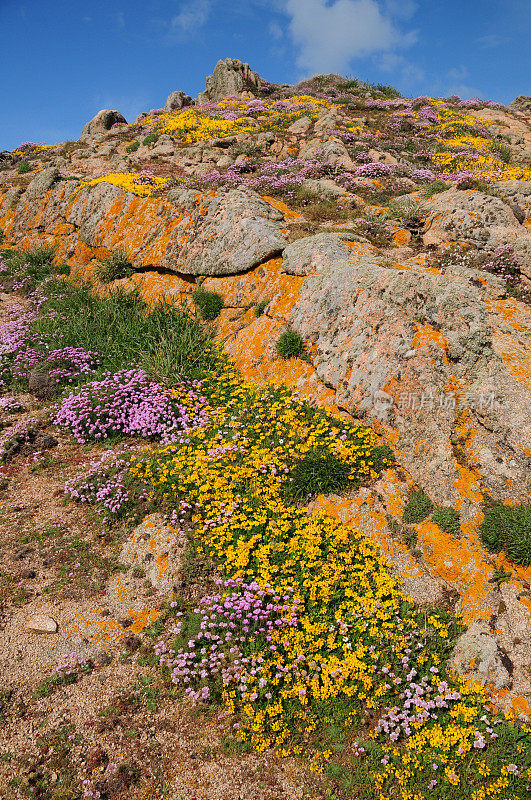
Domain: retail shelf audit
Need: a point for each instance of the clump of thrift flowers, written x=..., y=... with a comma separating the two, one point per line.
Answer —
x=128, y=403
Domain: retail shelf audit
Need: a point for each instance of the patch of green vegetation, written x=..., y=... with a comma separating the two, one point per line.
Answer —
x=318, y=472
x=166, y=340
x=434, y=188
x=417, y=508
x=290, y=344
x=503, y=151
x=261, y=307
x=24, y=167
x=209, y=304
x=447, y=518
x=115, y=267
x=508, y=528
x=131, y=148
x=151, y=138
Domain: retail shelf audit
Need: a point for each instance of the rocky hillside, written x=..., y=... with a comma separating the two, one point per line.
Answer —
x=372, y=253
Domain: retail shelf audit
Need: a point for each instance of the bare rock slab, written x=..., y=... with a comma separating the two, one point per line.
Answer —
x=42, y=623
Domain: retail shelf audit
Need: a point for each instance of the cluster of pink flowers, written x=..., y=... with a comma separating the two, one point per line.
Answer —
x=19, y=433
x=128, y=403
x=102, y=484
x=228, y=620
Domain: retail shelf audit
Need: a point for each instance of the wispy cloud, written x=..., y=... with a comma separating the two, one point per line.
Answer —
x=330, y=36
x=490, y=41
x=192, y=16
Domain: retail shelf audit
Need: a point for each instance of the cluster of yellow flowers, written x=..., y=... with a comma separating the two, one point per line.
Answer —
x=469, y=151
x=359, y=647
x=231, y=116
x=128, y=181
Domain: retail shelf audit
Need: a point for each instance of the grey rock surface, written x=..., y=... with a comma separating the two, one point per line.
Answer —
x=230, y=77
x=363, y=317
x=231, y=233
x=157, y=550
x=42, y=182
x=177, y=100
x=102, y=122
x=314, y=253
x=476, y=654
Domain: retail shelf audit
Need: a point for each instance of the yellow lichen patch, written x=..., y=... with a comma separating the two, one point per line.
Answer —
x=516, y=356
x=402, y=237
x=458, y=561
x=259, y=284
x=153, y=287
x=280, y=206
x=253, y=351
x=468, y=485
x=142, y=619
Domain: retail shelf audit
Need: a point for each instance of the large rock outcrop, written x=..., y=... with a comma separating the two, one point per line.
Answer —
x=177, y=100
x=191, y=232
x=103, y=122
x=480, y=219
x=230, y=78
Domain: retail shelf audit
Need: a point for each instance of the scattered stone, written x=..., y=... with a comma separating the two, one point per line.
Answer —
x=41, y=623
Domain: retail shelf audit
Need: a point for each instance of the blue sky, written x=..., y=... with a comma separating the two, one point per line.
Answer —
x=66, y=59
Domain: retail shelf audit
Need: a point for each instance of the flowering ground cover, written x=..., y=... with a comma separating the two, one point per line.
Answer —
x=305, y=640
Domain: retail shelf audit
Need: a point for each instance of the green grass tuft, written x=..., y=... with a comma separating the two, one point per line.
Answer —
x=290, y=344
x=508, y=528
x=447, y=519
x=317, y=472
x=209, y=304
x=417, y=508
x=115, y=267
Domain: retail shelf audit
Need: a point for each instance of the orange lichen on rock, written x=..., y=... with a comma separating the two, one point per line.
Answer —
x=426, y=336
x=280, y=206
x=515, y=355
x=402, y=237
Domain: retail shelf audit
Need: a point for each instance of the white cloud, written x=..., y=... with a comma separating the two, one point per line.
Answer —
x=330, y=36
x=192, y=16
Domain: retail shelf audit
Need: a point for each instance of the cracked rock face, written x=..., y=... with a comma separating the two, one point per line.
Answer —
x=423, y=354
x=228, y=234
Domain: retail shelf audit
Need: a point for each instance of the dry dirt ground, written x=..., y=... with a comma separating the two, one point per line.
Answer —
x=119, y=727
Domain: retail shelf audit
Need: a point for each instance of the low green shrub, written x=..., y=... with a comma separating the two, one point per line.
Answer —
x=508, y=528
x=132, y=147
x=115, y=267
x=447, y=518
x=151, y=138
x=417, y=508
x=23, y=167
x=503, y=151
x=290, y=344
x=261, y=307
x=318, y=472
x=434, y=188
x=209, y=304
